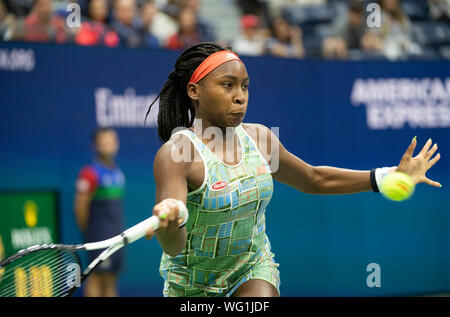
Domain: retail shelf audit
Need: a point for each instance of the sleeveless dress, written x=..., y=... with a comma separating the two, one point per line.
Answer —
x=226, y=240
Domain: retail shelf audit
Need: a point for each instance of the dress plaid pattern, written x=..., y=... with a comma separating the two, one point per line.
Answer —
x=226, y=240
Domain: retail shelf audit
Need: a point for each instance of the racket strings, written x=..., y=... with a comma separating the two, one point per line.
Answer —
x=38, y=275
x=16, y=279
x=43, y=287
x=43, y=273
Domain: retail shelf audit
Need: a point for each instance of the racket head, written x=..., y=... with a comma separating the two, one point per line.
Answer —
x=51, y=270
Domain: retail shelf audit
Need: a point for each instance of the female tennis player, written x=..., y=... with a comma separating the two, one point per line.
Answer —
x=226, y=183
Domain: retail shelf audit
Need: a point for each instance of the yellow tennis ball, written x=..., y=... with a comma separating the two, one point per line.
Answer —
x=397, y=186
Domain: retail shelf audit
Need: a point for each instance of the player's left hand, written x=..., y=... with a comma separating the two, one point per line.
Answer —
x=417, y=166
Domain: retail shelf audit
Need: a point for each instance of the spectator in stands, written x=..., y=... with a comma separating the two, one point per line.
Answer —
x=126, y=24
x=276, y=7
x=372, y=43
x=19, y=8
x=260, y=8
x=253, y=40
x=147, y=14
x=60, y=6
x=346, y=34
x=286, y=40
x=95, y=31
x=188, y=33
x=395, y=31
x=41, y=25
x=160, y=24
x=254, y=7
x=98, y=10
x=439, y=10
x=205, y=27
x=7, y=22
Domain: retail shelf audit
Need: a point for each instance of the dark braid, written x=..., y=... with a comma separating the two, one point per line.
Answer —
x=175, y=107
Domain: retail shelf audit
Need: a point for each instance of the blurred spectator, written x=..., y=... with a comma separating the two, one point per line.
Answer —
x=98, y=11
x=286, y=40
x=395, y=31
x=205, y=28
x=188, y=34
x=126, y=24
x=347, y=33
x=160, y=24
x=371, y=42
x=19, y=8
x=95, y=31
x=60, y=7
x=254, y=7
x=439, y=10
x=148, y=12
x=259, y=8
x=276, y=7
x=252, y=41
x=334, y=48
x=307, y=2
x=7, y=22
x=41, y=25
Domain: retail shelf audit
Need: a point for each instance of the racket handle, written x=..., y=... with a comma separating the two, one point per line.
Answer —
x=138, y=231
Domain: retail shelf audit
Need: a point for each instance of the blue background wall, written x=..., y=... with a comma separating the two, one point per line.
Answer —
x=323, y=243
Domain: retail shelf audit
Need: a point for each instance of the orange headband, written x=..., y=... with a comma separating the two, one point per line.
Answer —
x=212, y=62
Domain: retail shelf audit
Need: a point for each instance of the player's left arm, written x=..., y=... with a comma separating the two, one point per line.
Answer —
x=293, y=171
x=310, y=179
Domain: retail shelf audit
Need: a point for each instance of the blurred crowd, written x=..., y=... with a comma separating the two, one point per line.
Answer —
x=283, y=28
x=130, y=23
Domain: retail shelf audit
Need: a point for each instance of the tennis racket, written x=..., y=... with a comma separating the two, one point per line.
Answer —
x=54, y=270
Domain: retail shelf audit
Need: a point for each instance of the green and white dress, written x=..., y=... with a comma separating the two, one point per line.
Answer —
x=226, y=239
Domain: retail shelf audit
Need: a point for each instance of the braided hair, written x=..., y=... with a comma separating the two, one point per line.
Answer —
x=175, y=107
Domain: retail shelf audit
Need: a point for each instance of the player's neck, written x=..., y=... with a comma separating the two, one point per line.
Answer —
x=207, y=132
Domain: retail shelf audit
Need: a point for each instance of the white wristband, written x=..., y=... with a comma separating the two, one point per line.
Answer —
x=380, y=173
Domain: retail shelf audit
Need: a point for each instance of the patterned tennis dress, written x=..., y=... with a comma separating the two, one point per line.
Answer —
x=226, y=240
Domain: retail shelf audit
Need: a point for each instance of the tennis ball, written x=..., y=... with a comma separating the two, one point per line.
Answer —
x=397, y=186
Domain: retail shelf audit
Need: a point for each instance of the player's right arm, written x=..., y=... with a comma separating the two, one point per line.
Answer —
x=170, y=175
x=86, y=185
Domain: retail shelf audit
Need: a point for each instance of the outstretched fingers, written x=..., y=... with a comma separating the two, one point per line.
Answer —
x=430, y=153
x=425, y=148
x=434, y=160
x=432, y=183
x=410, y=150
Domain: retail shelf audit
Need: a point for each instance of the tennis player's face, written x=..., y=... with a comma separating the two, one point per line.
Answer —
x=223, y=95
x=107, y=145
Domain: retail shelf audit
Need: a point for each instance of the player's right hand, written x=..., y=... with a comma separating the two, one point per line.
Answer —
x=167, y=212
